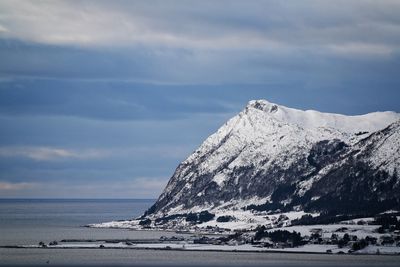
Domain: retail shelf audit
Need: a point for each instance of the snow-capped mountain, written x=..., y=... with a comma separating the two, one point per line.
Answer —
x=271, y=157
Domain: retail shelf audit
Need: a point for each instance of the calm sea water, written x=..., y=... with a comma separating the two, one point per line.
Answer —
x=32, y=221
x=24, y=221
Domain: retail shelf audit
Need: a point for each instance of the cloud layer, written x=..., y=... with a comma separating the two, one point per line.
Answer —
x=207, y=41
x=98, y=95
x=206, y=24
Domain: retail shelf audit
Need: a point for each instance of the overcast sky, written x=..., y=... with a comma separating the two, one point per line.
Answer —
x=105, y=98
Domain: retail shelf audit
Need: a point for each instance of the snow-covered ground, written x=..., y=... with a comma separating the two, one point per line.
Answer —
x=246, y=220
x=243, y=219
x=129, y=224
x=361, y=231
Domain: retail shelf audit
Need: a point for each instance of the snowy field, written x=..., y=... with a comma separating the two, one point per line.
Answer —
x=244, y=219
x=249, y=221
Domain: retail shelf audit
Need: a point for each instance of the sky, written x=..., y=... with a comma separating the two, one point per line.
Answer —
x=103, y=99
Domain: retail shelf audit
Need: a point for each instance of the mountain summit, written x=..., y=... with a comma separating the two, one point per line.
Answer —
x=271, y=159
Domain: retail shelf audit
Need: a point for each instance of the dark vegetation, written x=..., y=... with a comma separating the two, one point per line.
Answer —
x=169, y=218
x=269, y=206
x=352, y=181
x=352, y=204
x=359, y=244
x=323, y=152
x=360, y=133
x=199, y=217
x=226, y=218
x=325, y=219
x=344, y=241
x=234, y=236
x=280, y=236
x=387, y=222
x=145, y=222
x=151, y=210
x=283, y=192
x=348, y=195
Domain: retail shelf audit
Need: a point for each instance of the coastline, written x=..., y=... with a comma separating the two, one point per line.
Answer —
x=152, y=244
x=199, y=250
x=326, y=240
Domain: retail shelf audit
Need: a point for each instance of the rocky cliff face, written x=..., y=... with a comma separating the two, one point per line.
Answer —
x=270, y=157
x=362, y=178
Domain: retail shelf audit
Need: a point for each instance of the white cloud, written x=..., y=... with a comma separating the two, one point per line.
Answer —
x=64, y=22
x=15, y=186
x=363, y=49
x=50, y=153
x=133, y=152
x=3, y=29
x=255, y=25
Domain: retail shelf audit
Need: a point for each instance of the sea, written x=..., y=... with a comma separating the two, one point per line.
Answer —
x=30, y=221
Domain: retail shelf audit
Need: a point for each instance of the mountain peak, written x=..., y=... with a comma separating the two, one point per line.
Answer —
x=312, y=119
x=263, y=105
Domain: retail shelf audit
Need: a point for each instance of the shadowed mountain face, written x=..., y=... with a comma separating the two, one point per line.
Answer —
x=272, y=157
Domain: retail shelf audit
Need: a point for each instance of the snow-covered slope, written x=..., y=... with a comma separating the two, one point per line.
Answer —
x=311, y=119
x=382, y=149
x=273, y=154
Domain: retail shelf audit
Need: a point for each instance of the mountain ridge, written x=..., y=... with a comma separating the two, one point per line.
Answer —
x=272, y=158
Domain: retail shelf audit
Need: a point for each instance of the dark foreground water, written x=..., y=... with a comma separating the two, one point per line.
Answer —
x=31, y=221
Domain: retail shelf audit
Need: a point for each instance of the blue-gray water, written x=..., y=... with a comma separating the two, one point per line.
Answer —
x=24, y=221
x=32, y=221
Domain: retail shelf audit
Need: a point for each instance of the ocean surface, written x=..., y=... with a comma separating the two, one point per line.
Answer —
x=27, y=221
x=24, y=222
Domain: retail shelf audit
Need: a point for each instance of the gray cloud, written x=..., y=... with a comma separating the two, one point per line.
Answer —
x=108, y=100
x=206, y=24
x=180, y=42
x=141, y=187
x=100, y=93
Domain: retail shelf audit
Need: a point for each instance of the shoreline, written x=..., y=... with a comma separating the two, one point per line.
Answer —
x=151, y=257
x=197, y=250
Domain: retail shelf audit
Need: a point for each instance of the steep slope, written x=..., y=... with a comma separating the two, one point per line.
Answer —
x=363, y=179
x=278, y=157
x=382, y=149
